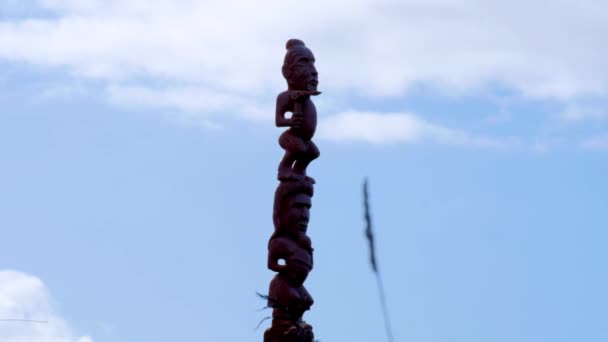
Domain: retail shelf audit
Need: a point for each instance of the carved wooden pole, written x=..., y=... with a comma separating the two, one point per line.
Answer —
x=290, y=249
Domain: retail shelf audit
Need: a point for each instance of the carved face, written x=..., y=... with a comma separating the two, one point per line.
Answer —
x=295, y=215
x=302, y=74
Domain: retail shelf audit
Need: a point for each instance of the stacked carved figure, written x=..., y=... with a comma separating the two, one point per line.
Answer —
x=289, y=248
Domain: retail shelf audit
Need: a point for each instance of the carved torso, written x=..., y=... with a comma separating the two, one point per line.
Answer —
x=286, y=104
x=296, y=253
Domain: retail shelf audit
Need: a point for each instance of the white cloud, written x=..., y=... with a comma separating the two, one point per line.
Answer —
x=377, y=48
x=204, y=60
x=191, y=99
x=581, y=113
x=195, y=103
x=63, y=91
x=25, y=297
x=390, y=128
x=599, y=142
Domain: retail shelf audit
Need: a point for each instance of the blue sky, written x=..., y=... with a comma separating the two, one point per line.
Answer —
x=138, y=159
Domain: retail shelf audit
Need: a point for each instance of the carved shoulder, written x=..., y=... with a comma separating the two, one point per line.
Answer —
x=282, y=108
x=283, y=100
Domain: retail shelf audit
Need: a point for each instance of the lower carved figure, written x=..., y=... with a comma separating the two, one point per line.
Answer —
x=288, y=299
x=286, y=294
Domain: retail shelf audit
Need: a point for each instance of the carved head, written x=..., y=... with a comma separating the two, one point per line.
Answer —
x=292, y=202
x=299, y=67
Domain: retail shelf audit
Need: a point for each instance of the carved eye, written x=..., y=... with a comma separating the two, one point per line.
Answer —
x=301, y=205
x=281, y=262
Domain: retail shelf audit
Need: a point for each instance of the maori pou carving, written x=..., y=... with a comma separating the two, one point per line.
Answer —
x=290, y=251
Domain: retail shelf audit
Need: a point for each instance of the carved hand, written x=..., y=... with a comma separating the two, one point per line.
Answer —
x=297, y=119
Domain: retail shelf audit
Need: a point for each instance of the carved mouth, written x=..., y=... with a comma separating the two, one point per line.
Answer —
x=312, y=85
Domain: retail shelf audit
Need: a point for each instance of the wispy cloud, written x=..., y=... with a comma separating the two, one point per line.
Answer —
x=194, y=102
x=206, y=61
x=391, y=128
x=599, y=142
x=191, y=99
x=377, y=48
x=24, y=296
x=583, y=113
x=63, y=91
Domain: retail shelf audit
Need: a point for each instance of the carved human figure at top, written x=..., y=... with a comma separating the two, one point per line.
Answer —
x=302, y=80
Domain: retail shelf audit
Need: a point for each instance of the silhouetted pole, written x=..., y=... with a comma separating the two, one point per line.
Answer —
x=290, y=249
